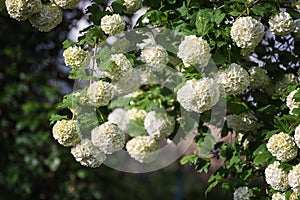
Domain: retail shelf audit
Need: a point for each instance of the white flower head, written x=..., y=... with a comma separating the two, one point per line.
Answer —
x=278, y=196
x=22, y=9
x=112, y=24
x=244, y=122
x=87, y=154
x=155, y=56
x=135, y=113
x=100, y=93
x=123, y=66
x=282, y=146
x=233, y=80
x=143, y=149
x=108, y=137
x=67, y=132
x=294, y=178
x=247, y=32
x=198, y=95
x=66, y=4
x=290, y=101
x=120, y=117
x=47, y=18
x=281, y=24
x=259, y=78
x=297, y=136
x=276, y=177
x=294, y=196
x=159, y=126
x=242, y=193
x=76, y=57
x=194, y=50
x=132, y=5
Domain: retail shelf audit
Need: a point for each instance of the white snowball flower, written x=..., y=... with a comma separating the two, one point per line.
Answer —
x=132, y=5
x=66, y=4
x=290, y=101
x=159, y=126
x=155, y=56
x=282, y=146
x=233, y=80
x=67, y=132
x=276, y=177
x=194, y=50
x=127, y=83
x=112, y=24
x=123, y=66
x=247, y=32
x=294, y=178
x=135, y=114
x=242, y=193
x=87, y=154
x=100, y=93
x=76, y=57
x=22, y=9
x=278, y=196
x=47, y=18
x=244, y=122
x=281, y=24
x=259, y=78
x=120, y=117
x=108, y=137
x=294, y=196
x=143, y=148
x=297, y=136
x=198, y=95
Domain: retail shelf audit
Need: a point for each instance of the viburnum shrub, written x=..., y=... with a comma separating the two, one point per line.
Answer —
x=233, y=64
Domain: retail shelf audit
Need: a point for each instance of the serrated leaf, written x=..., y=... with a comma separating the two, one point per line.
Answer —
x=56, y=117
x=262, y=157
x=118, y=6
x=191, y=159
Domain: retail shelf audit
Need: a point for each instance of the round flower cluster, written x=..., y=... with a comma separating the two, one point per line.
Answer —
x=294, y=178
x=194, y=50
x=135, y=113
x=198, y=95
x=294, y=196
x=100, y=93
x=242, y=193
x=244, y=122
x=47, y=18
x=297, y=136
x=22, y=9
x=143, y=148
x=132, y=5
x=66, y=4
x=112, y=24
x=155, y=56
x=87, y=154
x=67, y=132
x=122, y=67
x=278, y=196
x=233, y=80
x=281, y=24
x=76, y=57
x=259, y=78
x=290, y=101
x=247, y=32
x=282, y=146
x=159, y=126
x=108, y=137
x=120, y=117
x=276, y=177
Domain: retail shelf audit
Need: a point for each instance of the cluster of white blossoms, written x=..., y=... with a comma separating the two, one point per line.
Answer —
x=76, y=57
x=198, y=95
x=278, y=196
x=88, y=154
x=108, y=137
x=194, y=50
x=100, y=93
x=22, y=9
x=135, y=113
x=132, y=5
x=112, y=24
x=276, y=177
x=66, y=4
x=294, y=178
x=244, y=122
x=120, y=117
x=143, y=149
x=247, y=32
x=155, y=57
x=282, y=146
x=47, y=18
x=233, y=80
x=281, y=24
x=67, y=132
x=122, y=67
x=243, y=193
x=259, y=78
x=159, y=125
x=290, y=101
x=297, y=136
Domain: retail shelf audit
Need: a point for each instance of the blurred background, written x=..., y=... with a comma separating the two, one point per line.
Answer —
x=33, y=79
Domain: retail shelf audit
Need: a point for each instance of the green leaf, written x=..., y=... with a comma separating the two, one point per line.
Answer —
x=135, y=129
x=118, y=6
x=207, y=145
x=56, y=117
x=219, y=16
x=191, y=159
x=235, y=13
x=262, y=157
